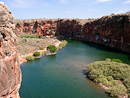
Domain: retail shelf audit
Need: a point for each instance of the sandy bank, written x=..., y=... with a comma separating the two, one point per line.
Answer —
x=22, y=58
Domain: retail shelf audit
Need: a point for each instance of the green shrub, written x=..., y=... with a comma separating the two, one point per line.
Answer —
x=30, y=36
x=115, y=82
x=52, y=48
x=30, y=58
x=109, y=78
x=109, y=84
x=62, y=45
x=108, y=59
x=36, y=53
x=112, y=74
x=112, y=14
x=94, y=74
x=118, y=90
x=127, y=84
x=104, y=80
x=117, y=60
x=41, y=48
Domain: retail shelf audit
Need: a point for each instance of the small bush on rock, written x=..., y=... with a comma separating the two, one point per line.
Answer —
x=118, y=90
x=36, y=54
x=62, y=45
x=52, y=48
x=30, y=58
x=127, y=84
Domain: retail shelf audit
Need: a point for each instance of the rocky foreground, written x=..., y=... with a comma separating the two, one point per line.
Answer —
x=10, y=73
x=13, y=51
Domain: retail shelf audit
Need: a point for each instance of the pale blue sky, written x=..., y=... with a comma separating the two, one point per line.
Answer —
x=83, y=9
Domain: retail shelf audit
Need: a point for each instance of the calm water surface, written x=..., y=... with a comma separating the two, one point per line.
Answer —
x=61, y=76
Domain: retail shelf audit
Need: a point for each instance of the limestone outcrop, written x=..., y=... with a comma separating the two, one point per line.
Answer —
x=10, y=73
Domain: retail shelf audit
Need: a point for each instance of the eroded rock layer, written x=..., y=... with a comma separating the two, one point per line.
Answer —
x=112, y=31
x=40, y=27
x=10, y=73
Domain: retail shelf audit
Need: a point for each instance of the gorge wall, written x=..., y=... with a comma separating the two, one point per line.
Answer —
x=10, y=73
x=112, y=31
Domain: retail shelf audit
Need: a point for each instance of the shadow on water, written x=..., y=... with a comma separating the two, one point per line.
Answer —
x=51, y=57
x=103, y=47
x=100, y=50
x=84, y=72
x=99, y=46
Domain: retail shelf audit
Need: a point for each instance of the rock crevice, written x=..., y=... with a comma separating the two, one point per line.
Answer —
x=10, y=73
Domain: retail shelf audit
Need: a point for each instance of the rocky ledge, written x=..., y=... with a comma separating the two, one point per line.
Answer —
x=10, y=73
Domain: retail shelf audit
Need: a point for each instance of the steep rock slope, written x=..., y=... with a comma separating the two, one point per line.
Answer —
x=112, y=31
x=10, y=73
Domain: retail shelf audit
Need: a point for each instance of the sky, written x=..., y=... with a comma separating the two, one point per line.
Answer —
x=51, y=9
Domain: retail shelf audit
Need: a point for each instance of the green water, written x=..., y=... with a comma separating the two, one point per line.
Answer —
x=61, y=76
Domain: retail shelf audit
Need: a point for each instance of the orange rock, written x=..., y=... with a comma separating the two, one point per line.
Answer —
x=10, y=73
x=112, y=31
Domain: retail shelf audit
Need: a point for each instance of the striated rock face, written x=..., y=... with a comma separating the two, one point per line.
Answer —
x=49, y=27
x=112, y=31
x=69, y=29
x=40, y=27
x=10, y=73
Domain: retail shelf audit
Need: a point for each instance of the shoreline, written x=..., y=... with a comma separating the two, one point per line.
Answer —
x=22, y=58
x=107, y=88
x=113, y=86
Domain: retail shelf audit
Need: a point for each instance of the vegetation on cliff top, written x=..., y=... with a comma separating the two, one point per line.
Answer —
x=111, y=73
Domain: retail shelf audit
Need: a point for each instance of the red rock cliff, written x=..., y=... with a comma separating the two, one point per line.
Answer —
x=40, y=27
x=112, y=31
x=10, y=74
